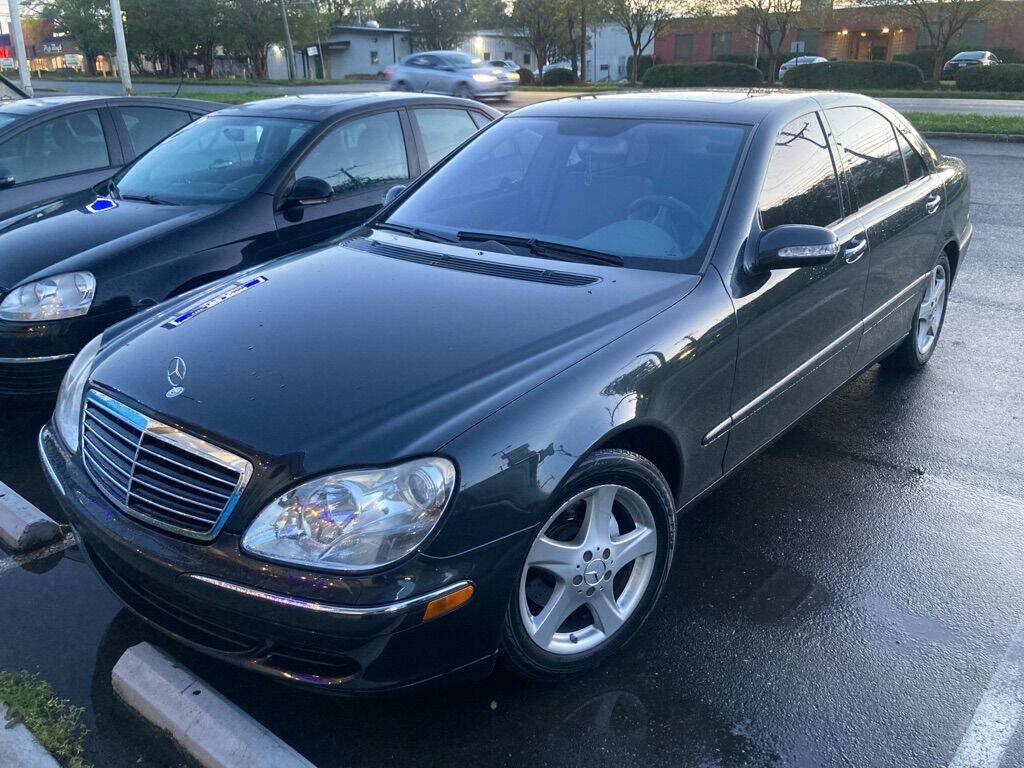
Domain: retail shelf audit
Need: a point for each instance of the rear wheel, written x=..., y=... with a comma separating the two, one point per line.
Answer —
x=594, y=570
x=919, y=345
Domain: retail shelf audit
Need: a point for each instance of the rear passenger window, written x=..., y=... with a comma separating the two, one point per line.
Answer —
x=870, y=151
x=801, y=186
x=67, y=144
x=916, y=168
x=148, y=126
x=443, y=130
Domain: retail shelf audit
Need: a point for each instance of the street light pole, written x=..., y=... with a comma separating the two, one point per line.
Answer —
x=19, y=47
x=288, y=41
x=122, y=51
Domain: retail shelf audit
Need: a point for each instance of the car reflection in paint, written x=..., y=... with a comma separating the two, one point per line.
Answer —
x=463, y=433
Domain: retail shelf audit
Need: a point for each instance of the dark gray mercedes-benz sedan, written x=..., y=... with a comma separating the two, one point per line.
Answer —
x=463, y=433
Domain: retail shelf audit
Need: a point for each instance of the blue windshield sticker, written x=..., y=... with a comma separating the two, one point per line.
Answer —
x=235, y=289
x=100, y=204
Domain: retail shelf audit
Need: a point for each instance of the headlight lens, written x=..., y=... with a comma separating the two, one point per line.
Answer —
x=513, y=75
x=480, y=77
x=52, y=298
x=355, y=520
x=67, y=416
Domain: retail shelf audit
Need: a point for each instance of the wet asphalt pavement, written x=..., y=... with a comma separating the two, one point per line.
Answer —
x=850, y=598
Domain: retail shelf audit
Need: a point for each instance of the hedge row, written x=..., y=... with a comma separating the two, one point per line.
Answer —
x=646, y=62
x=762, y=61
x=1003, y=77
x=855, y=75
x=923, y=59
x=712, y=73
x=558, y=76
x=526, y=76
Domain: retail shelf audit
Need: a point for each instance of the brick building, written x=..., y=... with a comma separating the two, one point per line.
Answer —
x=835, y=33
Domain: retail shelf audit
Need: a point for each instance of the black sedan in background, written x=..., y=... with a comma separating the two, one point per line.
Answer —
x=464, y=432
x=233, y=189
x=55, y=145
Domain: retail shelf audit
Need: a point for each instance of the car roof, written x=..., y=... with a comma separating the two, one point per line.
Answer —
x=40, y=104
x=321, y=106
x=748, y=105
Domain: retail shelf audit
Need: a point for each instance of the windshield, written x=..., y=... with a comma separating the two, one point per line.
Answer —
x=460, y=60
x=215, y=159
x=970, y=55
x=648, y=191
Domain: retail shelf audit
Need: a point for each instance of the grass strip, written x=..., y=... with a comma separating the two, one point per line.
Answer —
x=966, y=123
x=54, y=722
x=225, y=97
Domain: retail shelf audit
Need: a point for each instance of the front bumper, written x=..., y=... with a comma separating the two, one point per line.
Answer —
x=292, y=627
x=499, y=89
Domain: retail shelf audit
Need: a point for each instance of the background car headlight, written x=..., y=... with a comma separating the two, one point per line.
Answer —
x=67, y=416
x=52, y=298
x=354, y=520
x=480, y=77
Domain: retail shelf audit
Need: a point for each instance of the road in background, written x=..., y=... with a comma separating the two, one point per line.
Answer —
x=517, y=99
x=846, y=599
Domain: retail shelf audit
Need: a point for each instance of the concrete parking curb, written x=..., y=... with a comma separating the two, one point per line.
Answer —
x=212, y=730
x=1013, y=138
x=19, y=747
x=22, y=526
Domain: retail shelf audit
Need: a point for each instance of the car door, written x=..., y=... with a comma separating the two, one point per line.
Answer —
x=797, y=327
x=142, y=127
x=361, y=158
x=439, y=130
x=55, y=156
x=902, y=219
x=419, y=71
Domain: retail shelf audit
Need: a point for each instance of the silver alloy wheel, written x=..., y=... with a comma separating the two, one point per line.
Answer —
x=929, y=313
x=593, y=577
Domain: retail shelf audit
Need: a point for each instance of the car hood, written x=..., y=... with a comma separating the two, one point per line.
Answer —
x=344, y=356
x=71, y=233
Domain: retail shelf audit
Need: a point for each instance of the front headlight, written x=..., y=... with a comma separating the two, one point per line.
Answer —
x=480, y=77
x=513, y=75
x=67, y=416
x=354, y=520
x=52, y=298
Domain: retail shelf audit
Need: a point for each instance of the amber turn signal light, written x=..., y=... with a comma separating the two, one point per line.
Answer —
x=441, y=605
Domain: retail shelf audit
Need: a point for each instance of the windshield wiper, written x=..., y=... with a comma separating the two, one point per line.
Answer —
x=146, y=199
x=419, y=234
x=547, y=249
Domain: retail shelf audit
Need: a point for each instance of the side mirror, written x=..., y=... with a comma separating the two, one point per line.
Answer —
x=392, y=193
x=791, y=246
x=6, y=178
x=309, y=190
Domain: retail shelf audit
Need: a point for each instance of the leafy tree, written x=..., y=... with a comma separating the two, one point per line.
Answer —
x=435, y=24
x=644, y=20
x=249, y=25
x=86, y=22
x=543, y=26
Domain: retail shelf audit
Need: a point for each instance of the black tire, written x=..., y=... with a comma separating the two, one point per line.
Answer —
x=518, y=651
x=463, y=91
x=907, y=356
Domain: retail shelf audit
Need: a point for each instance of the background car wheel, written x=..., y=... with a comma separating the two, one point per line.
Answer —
x=594, y=571
x=919, y=345
x=463, y=91
x=401, y=85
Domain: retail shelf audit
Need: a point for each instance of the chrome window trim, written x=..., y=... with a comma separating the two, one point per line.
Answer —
x=864, y=325
x=181, y=440
x=354, y=611
x=47, y=359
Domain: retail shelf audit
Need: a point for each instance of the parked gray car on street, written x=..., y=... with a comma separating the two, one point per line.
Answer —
x=452, y=72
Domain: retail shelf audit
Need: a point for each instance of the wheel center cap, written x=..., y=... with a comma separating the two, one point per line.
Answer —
x=594, y=572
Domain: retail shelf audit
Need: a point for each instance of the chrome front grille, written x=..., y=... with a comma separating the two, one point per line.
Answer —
x=158, y=474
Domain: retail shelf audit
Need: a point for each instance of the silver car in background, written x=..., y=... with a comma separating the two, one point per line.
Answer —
x=796, y=61
x=452, y=72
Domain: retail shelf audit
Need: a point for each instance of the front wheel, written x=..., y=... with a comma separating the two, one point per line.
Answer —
x=594, y=571
x=463, y=91
x=919, y=345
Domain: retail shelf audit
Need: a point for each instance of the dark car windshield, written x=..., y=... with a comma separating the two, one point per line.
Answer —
x=970, y=55
x=218, y=158
x=460, y=60
x=648, y=191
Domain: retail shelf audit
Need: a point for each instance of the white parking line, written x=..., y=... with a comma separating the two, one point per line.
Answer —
x=998, y=712
x=17, y=561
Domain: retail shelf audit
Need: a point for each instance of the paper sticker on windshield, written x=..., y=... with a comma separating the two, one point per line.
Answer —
x=235, y=289
x=100, y=204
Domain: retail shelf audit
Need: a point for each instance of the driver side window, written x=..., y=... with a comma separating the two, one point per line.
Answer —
x=360, y=153
x=801, y=186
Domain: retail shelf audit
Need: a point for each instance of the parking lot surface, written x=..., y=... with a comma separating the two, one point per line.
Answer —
x=852, y=597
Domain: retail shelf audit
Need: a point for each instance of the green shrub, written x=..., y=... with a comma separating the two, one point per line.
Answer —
x=720, y=73
x=559, y=77
x=762, y=61
x=1008, y=55
x=855, y=75
x=526, y=76
x=923, y=59
x=1004, y=77
x=646, y=62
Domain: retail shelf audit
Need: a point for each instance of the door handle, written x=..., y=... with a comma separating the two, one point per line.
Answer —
x=855, y=249
x=932, y=203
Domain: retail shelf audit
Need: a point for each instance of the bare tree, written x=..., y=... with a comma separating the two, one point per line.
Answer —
x=769, y=21
x=941, y=21
x=643, y=21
